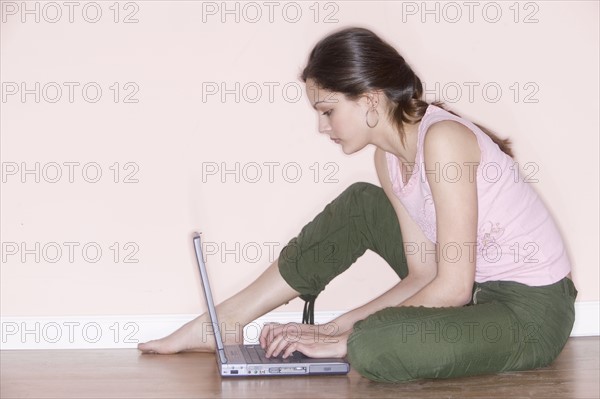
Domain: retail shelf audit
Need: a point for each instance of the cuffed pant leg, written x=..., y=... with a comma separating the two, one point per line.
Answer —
x=360, y=218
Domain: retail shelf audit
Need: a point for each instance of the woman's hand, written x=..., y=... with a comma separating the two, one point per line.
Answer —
x=312, y=340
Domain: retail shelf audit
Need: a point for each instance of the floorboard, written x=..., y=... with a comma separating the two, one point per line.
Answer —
x=125, y=373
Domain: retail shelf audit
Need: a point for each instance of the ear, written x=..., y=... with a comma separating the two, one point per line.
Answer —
x=372, y=98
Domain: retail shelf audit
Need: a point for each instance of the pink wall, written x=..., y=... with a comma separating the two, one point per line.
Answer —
x=164, y=145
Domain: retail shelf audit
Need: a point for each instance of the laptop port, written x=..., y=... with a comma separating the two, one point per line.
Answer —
x=288, y=370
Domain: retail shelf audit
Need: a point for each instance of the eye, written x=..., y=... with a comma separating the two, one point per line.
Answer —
x=328, y=112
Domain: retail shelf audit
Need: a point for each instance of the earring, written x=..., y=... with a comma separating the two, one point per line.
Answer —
x=367, y=118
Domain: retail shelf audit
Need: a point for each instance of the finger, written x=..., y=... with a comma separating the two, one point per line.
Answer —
x=262, y=339
x=293, y=347
x=280, y=346
x=273, y=346
x=267, y=334
x=282, y=342
x=281, y=330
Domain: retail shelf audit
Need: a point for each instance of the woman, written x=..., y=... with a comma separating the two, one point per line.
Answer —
x=484, y=276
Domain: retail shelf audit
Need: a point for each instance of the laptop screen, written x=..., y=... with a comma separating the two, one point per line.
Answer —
x=209, y=299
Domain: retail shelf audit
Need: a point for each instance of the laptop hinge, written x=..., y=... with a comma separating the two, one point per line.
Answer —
x=221, y=354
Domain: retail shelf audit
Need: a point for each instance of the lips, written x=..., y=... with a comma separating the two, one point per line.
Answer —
x=337, y=141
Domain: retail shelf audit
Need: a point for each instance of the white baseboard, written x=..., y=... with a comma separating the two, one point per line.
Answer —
x=105, y=332
x=587, y=319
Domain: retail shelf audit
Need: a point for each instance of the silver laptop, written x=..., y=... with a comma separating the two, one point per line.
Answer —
x=250, y=360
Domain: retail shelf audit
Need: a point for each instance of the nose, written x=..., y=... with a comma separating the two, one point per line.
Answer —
x=324, y=126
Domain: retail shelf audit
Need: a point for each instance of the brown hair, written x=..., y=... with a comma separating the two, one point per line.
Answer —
x=353, y=61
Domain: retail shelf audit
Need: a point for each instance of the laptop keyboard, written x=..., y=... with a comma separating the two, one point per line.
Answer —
x=255, y=354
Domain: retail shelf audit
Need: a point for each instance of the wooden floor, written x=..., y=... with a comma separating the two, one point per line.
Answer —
x=125, y=373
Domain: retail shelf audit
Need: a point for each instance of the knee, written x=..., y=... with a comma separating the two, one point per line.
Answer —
x=361, y=194
x=360, y=188
x=370, y=354
x=361, y=355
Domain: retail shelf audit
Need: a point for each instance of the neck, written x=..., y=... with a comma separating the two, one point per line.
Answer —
x=388, y=140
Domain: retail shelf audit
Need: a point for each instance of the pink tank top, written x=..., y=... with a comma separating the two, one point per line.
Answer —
x=517, y=238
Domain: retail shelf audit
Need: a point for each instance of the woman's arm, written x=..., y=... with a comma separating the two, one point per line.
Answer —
x=442, y=274
x=435, y=279
x=405, y=289
x=421, y=271
x=456, y=207
x=422, y=268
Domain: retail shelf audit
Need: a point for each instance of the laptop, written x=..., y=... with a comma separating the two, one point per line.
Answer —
x=250, y=360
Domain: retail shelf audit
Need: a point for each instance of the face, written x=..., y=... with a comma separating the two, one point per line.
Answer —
x=341, y=119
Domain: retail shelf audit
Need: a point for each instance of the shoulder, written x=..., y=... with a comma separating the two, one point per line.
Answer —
x=449, y=131
x=450, y=140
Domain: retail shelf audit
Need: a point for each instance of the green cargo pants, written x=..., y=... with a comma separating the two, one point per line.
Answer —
x=508, y=326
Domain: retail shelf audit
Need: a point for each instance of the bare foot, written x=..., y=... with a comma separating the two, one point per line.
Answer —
x=194, y=336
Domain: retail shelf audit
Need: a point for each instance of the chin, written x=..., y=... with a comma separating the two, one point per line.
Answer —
x=351, y=150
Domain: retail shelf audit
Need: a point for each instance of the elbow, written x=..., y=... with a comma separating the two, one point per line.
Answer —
x=460, y=298
x=455, y=296
x=463, y=299
x=457, y=290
